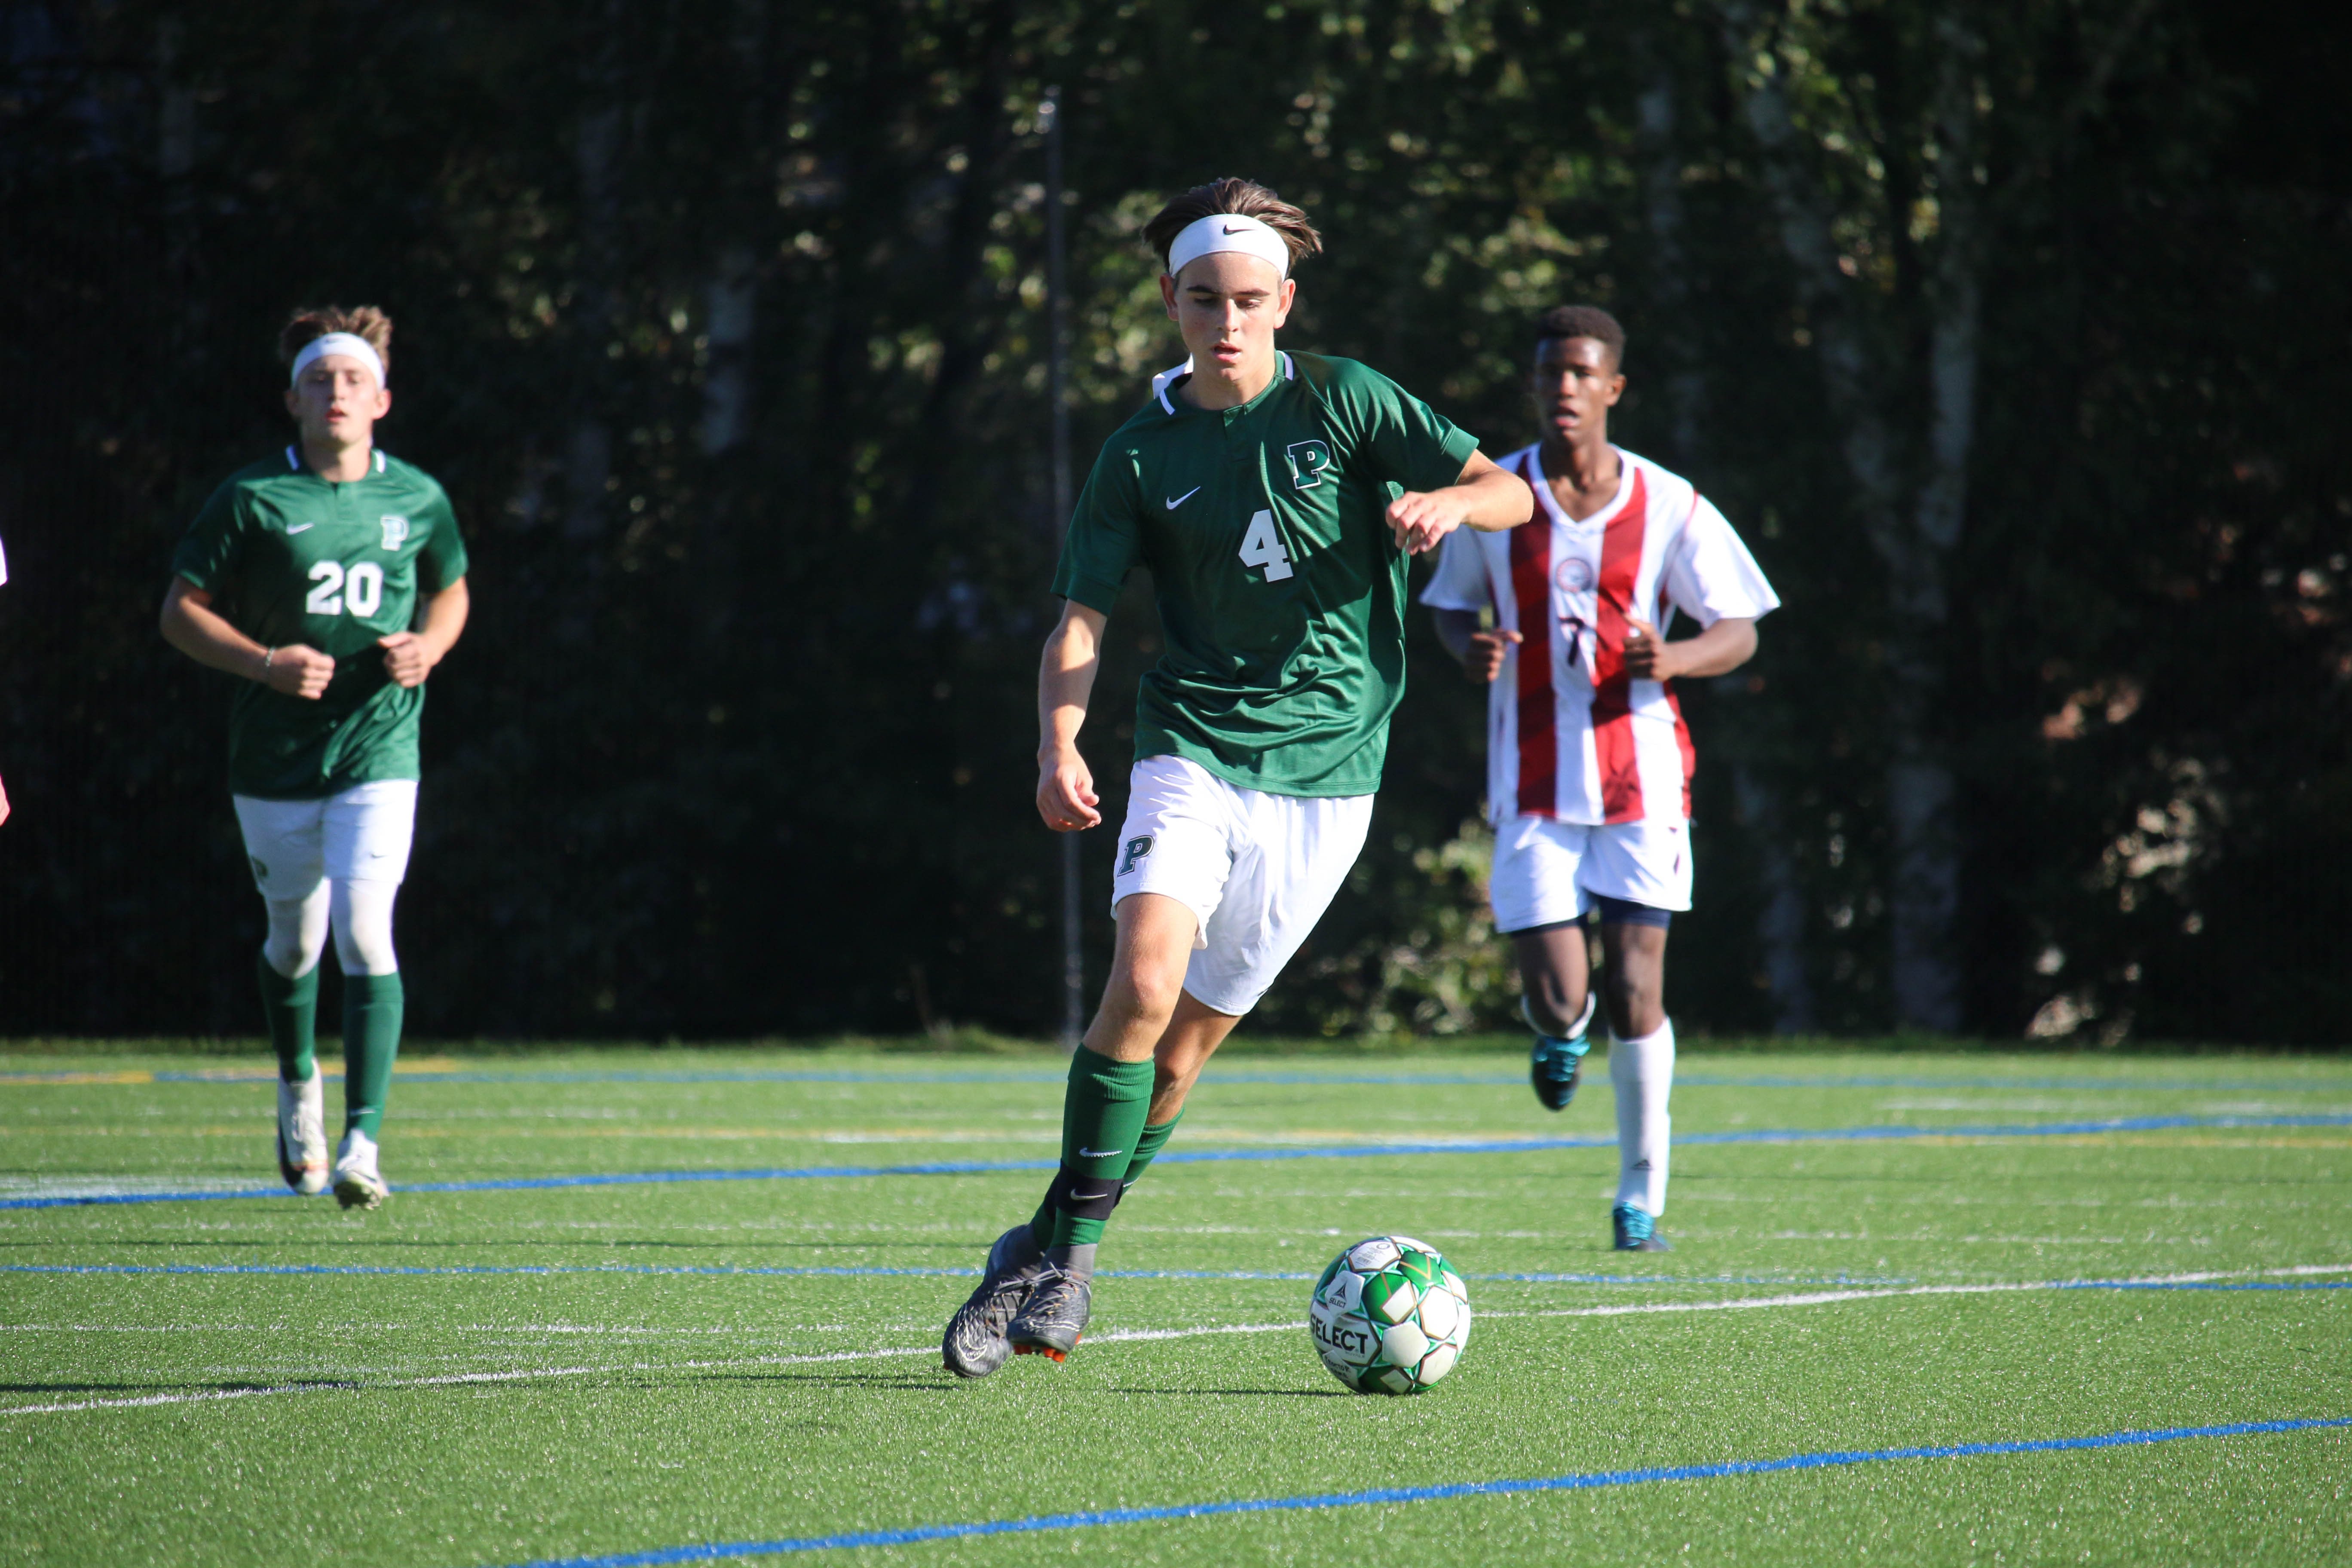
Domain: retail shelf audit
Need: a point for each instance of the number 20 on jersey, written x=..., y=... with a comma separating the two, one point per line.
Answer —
x=359, y=589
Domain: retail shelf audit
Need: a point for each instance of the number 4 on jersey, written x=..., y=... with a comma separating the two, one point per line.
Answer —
x=1261, y=546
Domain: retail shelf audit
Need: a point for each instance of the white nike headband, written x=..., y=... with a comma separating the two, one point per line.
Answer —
x=349, y=344
x=1229, y=231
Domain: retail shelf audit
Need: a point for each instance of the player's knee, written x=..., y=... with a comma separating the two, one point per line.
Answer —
x=297, y=935
x=1147, y=994
x=290, y=955
x=1556, y=1001
x=1637, y=1004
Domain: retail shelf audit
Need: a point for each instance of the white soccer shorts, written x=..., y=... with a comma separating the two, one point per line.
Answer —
x=360, y=835
x=1258, y=870
x=1547, y=872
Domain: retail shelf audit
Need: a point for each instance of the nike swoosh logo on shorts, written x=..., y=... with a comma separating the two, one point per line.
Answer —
x=1180, y=500
x=1098, y=1154
x=300, y=528
x=1089, y=1197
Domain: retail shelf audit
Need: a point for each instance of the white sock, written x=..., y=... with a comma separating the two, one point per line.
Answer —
x=1643, y=1073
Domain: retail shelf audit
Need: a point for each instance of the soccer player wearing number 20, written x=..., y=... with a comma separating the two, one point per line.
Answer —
x=1589, y=762
x=330, y=578
x=1276, y=499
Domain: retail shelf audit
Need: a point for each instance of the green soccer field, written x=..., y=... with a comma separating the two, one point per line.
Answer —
x=2002, y=1255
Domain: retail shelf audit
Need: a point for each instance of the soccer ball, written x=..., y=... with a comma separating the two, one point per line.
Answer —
x=1389, y=1316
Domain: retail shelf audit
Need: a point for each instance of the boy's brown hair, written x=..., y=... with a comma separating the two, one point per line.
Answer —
x=1233, y=194
x=367, y=322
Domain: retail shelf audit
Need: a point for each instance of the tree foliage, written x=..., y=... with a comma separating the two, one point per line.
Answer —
x=724, y=323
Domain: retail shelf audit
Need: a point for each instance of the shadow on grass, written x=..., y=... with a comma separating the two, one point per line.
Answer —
x=931, y=1381
x=1244, y=1393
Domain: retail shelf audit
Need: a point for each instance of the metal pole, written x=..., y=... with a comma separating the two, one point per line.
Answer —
x=1057, y=309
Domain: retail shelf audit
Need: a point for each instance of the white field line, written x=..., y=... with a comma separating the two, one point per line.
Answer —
x=1126, y=1336
x=1823, y=1298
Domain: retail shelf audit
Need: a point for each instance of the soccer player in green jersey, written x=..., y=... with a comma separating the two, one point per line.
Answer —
x=331, y=580
x=1275, y=498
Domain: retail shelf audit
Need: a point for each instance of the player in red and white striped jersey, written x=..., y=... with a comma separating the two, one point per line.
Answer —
x=1589, y=761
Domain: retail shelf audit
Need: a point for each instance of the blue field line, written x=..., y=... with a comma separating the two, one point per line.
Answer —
x=1221, y=1156
x=726, y=1271
x=843, y=1271
x=1700, y=1080
x=1590, y=1480
x=1874, y=1080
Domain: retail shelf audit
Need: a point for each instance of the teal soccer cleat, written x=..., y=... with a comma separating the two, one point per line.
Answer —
x=1556, y=1061
x=1636, y=1231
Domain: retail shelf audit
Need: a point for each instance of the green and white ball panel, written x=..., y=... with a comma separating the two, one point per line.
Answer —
x=1389, y=1317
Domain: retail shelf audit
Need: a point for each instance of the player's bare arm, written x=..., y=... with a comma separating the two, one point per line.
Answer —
x=191, y=624
x=1718, y=650
x=1066, y=678
x=409, y=657
x=1485, y=498
x=1479, y=650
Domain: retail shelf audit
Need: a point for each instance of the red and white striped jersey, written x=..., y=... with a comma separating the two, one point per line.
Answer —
x=1568, y=734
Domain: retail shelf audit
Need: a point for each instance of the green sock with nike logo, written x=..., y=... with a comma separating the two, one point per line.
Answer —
x=1153, y=1138
x=1102, y=1128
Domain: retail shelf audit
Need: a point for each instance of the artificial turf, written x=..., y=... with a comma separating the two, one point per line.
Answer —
x=524, y=1374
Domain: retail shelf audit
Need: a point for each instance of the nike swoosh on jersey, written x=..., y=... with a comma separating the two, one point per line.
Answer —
x=1180, y=500
x=298, y=528
x=1098, y=1154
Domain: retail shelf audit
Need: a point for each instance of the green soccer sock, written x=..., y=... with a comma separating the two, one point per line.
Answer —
x=1102, y=1121
x=293, y=1008
x=1148, y=1144
x=372, y=1005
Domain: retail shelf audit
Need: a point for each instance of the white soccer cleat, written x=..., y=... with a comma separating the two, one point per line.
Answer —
x=302, y=1135
x=357, y=1186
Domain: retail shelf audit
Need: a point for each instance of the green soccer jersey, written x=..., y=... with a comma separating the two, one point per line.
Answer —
x=293, y=558
x=1281, y=588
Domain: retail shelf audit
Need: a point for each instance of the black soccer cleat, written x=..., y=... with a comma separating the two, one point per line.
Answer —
x=1556, y=1061
x=1055, y=1317
x=974, y=1344
x=1636, y=1231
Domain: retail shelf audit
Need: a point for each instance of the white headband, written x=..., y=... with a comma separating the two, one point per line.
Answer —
x=1229, y=231
x=359, y=347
